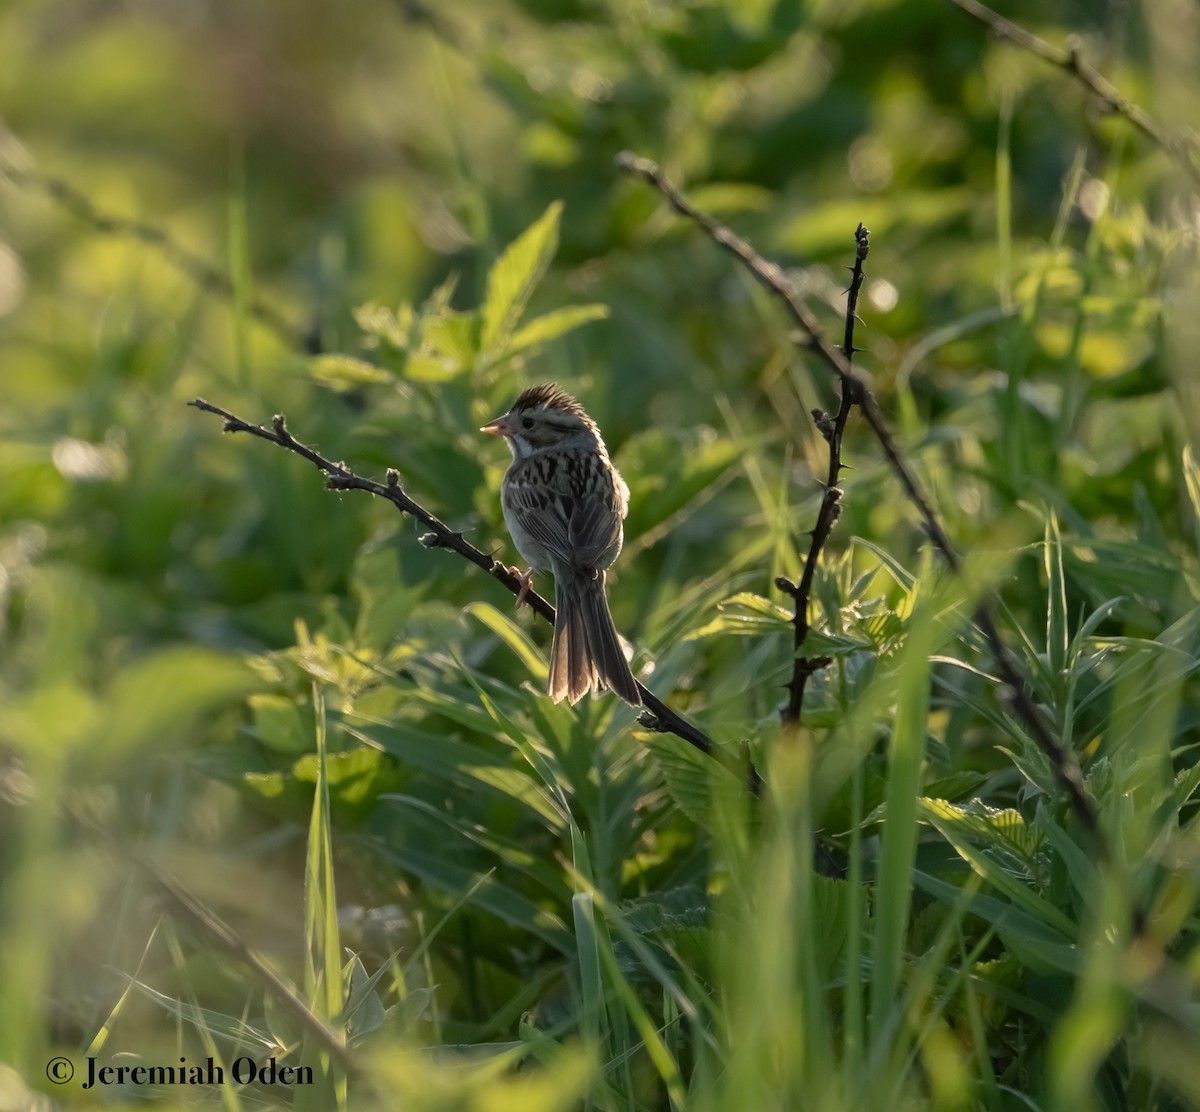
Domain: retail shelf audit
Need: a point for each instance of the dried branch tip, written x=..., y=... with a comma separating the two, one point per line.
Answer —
x=630, y=163
x=862, y=236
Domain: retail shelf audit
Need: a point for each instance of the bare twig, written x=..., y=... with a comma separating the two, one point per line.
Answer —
x=776, y=282
x=206, y=276
x=657, y=716
x=1181, y=147
x=832, y=428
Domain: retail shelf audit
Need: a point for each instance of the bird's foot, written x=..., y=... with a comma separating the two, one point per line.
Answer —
x=526, y=580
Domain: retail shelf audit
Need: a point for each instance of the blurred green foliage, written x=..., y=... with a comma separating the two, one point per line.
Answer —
x=336, y=738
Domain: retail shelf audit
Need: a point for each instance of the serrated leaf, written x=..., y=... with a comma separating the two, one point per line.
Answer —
x=744, y=613
x=682, y=907
x=999, y=828
x=691, y=777
x=968, y=829
x=513, y=278
x=450, y=340
x=541, y=330
x=818, y=643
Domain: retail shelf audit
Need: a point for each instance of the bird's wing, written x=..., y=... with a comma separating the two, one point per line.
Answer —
x=580, y=529
x=544, y=515
x=595, y=530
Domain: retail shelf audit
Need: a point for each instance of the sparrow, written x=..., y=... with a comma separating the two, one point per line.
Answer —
x=564, y=504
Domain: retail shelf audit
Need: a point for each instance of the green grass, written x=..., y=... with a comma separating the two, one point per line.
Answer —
x=279, y=782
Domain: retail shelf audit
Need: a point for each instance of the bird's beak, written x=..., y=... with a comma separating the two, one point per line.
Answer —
x=498, y=427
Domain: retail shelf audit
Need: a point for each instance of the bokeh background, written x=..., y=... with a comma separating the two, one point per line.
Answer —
x=300, y=208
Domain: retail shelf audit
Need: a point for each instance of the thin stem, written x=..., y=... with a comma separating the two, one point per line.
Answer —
x=1181, y=148
x=832, y=428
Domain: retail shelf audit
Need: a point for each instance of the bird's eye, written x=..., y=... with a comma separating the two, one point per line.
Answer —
x=526, y=422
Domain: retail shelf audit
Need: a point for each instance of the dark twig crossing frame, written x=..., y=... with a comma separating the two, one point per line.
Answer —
x=773, y=278
x=657, y=716
x=1182, y=148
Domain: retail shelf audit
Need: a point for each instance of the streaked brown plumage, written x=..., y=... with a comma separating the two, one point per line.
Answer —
x=564, y=504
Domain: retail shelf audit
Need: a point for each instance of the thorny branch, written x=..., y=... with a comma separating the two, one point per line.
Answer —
x=774, y=279
x=657, y=716
x=1182, y=148
x=832, y=427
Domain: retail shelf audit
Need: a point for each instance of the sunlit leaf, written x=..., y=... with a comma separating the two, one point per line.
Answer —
x=344, y=372
x=513, y=277
x=513, y=636
x=746, y=614
x=541, y=330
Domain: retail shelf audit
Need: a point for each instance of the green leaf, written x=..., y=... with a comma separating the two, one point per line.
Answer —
x=1033, y=939
x=541, y=330
x=431, y=368
x=468, y=766
x=669, y=472
x=1191, y=476
x=279, y=724
x=1057, y=634
x=357, y=777
x=159, y=696
x=513, y=278
x=382, y=325
x=693, y=778
x=344, y=372
x=1002, y=829
x=744, y=613
x=240, y=1034
x=482, y=890
x=447, y=349
x=512, y=635
x=975, y=829
x=818, y=643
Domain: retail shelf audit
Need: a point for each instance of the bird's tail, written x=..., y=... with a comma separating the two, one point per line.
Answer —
x=586, y=651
